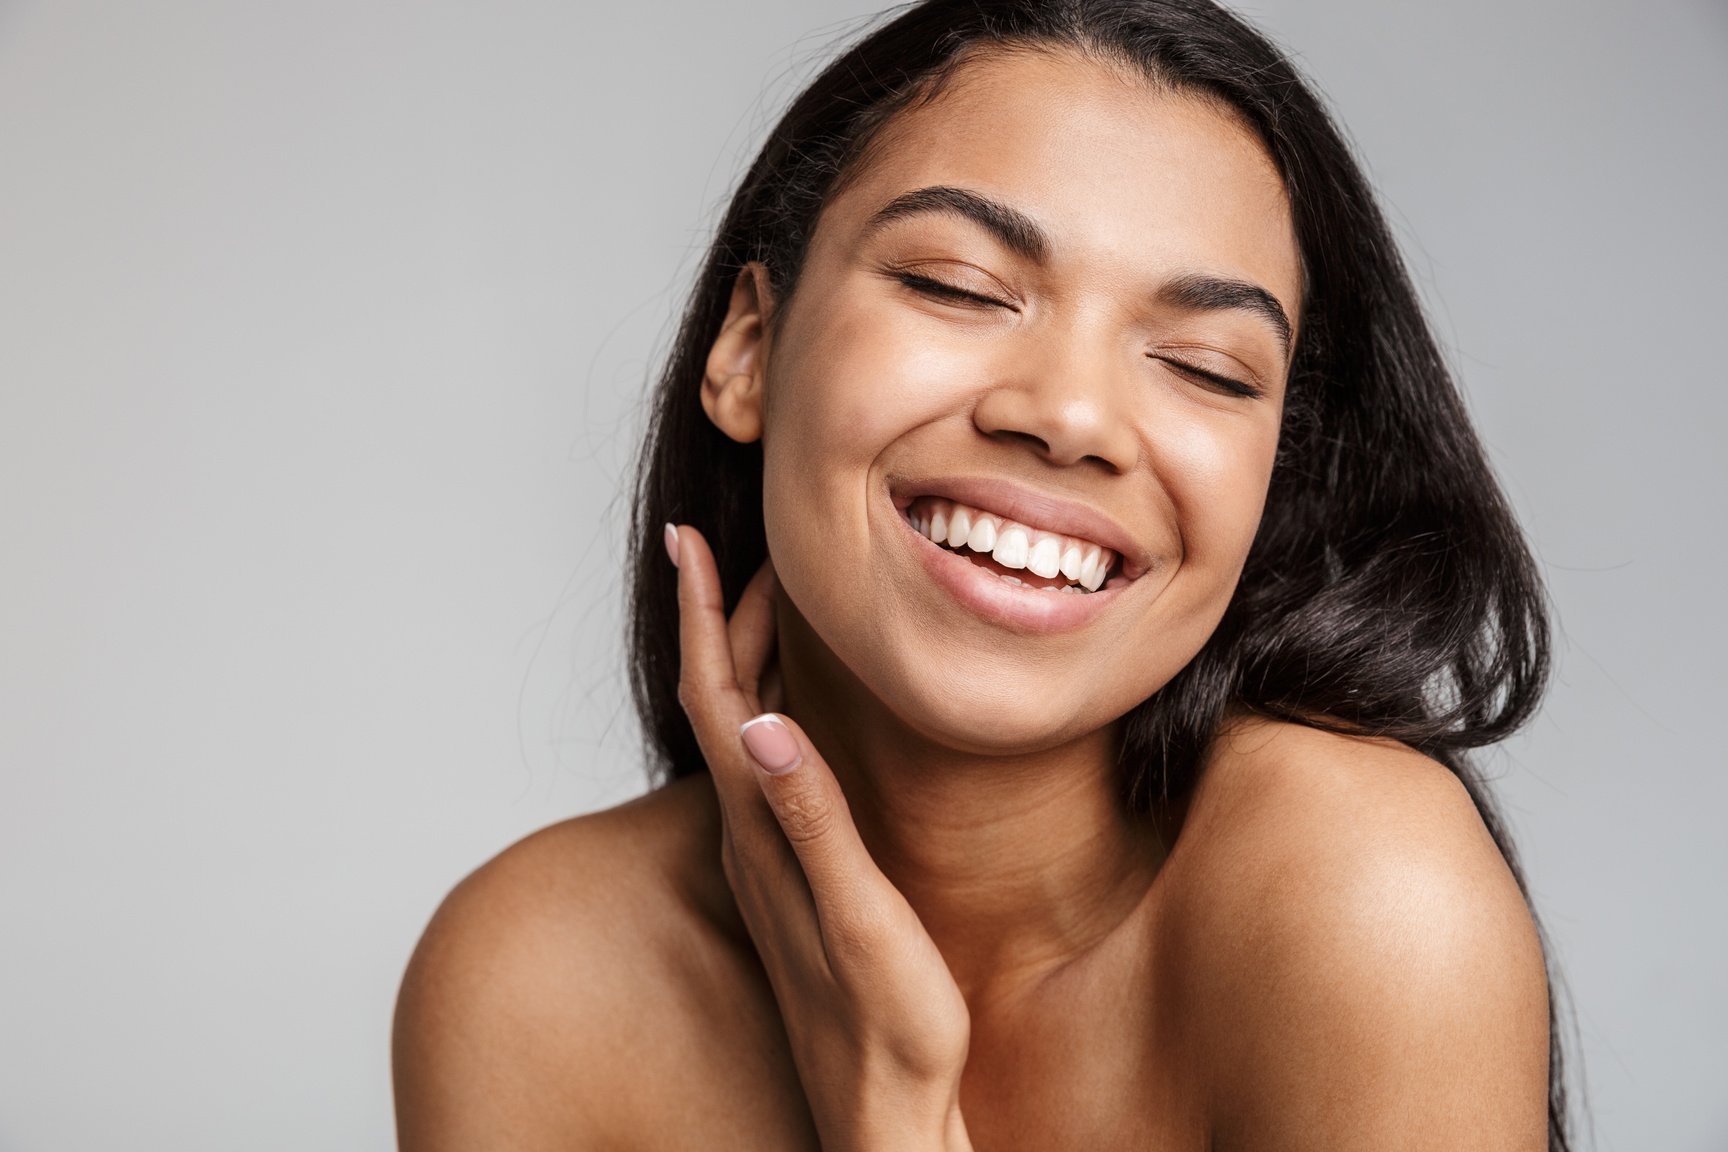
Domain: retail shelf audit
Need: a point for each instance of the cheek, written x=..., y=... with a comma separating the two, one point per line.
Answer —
x=843, y=386
x=863, y=382
x=1215, y=471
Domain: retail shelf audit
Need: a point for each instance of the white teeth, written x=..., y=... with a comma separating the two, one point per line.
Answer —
x=1012, y=546
x=1045, y=559
x=1088, y=563
x=983, y=537
x=1092, y=568
x=1073, y=554
x=1011, y=579
x=960, y=527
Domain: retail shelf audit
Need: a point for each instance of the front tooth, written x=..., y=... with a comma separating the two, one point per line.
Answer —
x=1046, y=556
x=983, y=537
x=1012, y=546
x=1073, y=555
x=960, y=527
x=939, y=523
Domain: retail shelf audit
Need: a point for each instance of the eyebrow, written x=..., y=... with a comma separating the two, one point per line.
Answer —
x=1022, y=235
x=1198, y=292
x=1018, y=232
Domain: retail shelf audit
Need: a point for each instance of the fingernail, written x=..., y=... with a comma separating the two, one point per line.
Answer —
x=672, y=543
x=771, y=744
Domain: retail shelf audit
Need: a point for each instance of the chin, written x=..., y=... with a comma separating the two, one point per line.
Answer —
x=974, y=689
x=1000, y=712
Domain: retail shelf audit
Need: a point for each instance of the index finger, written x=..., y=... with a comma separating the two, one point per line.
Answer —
x=789, y=820
x=708, y=685
x=710, y=693
x=717, y=707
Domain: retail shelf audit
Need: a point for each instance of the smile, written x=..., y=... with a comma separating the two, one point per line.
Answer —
x=1015, y=557
x=1050, y=561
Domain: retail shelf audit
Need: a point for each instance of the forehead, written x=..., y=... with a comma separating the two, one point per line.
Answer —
x=1119, y=173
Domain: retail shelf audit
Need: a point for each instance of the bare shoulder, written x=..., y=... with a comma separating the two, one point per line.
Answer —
x=543, y=971
x=1370, y=973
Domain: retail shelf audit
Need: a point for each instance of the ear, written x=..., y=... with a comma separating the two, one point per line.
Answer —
x=732, y=385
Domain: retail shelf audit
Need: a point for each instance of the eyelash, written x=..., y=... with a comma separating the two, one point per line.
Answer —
x=1229, y=384
x=948, y=292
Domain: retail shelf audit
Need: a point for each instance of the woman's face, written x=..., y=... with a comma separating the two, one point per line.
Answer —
x=1104, y=367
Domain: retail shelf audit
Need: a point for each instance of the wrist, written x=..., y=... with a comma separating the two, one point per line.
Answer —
x=903, y=1130
x=954, y=1137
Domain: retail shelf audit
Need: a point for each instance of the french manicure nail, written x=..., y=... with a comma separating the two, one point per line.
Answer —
x=771, y=744
x=672, y=543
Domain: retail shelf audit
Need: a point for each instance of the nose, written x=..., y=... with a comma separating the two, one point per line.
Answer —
x=1064, y=393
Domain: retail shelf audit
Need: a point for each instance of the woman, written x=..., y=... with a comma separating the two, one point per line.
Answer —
x=1084, y=583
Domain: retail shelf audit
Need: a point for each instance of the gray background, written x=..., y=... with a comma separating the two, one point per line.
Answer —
x=323, y=331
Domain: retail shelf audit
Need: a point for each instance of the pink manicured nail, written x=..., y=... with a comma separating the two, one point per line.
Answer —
x=672, y=543
x=771, y=744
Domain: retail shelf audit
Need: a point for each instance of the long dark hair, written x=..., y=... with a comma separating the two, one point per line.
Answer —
x=1388, y=592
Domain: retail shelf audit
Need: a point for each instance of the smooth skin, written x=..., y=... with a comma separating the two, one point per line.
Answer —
x=1319, y=949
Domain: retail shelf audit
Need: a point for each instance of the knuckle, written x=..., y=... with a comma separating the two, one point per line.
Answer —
x=687, y=694
x=804, y=814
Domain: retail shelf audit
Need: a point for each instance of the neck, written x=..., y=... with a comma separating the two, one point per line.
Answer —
x=1015, y=864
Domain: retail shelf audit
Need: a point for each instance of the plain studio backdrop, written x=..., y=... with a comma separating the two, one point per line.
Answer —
x=324, y=333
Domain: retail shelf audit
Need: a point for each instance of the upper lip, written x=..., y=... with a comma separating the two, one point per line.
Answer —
x=1032, y=507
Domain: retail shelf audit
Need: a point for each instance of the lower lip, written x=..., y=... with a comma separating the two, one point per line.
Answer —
x=1022, y=609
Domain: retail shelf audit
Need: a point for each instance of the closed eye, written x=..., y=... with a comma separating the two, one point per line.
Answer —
x=1229, y=384
x=945, y=291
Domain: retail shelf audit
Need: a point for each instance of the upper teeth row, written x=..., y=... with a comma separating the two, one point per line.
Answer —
x=1013, y=545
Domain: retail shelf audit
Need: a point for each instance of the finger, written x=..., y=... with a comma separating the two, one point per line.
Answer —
x=707, y=679
x=711, y=697
x=853, y=898
x=751, y=631
x=764, y=872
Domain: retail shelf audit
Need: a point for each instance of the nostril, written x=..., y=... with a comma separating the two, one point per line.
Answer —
x=1013, y=436
x=1044, y=449
x=1061, y=413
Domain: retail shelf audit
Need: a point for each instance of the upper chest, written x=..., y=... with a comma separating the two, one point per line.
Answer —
x=1093, y=1058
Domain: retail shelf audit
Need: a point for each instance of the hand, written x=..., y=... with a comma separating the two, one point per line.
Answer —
x=878, y=1028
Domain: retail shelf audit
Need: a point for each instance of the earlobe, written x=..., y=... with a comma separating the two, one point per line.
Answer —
x=734, y=405
x=732, y=382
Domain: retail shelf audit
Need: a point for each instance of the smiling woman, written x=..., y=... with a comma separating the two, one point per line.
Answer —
x=1084, y=583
